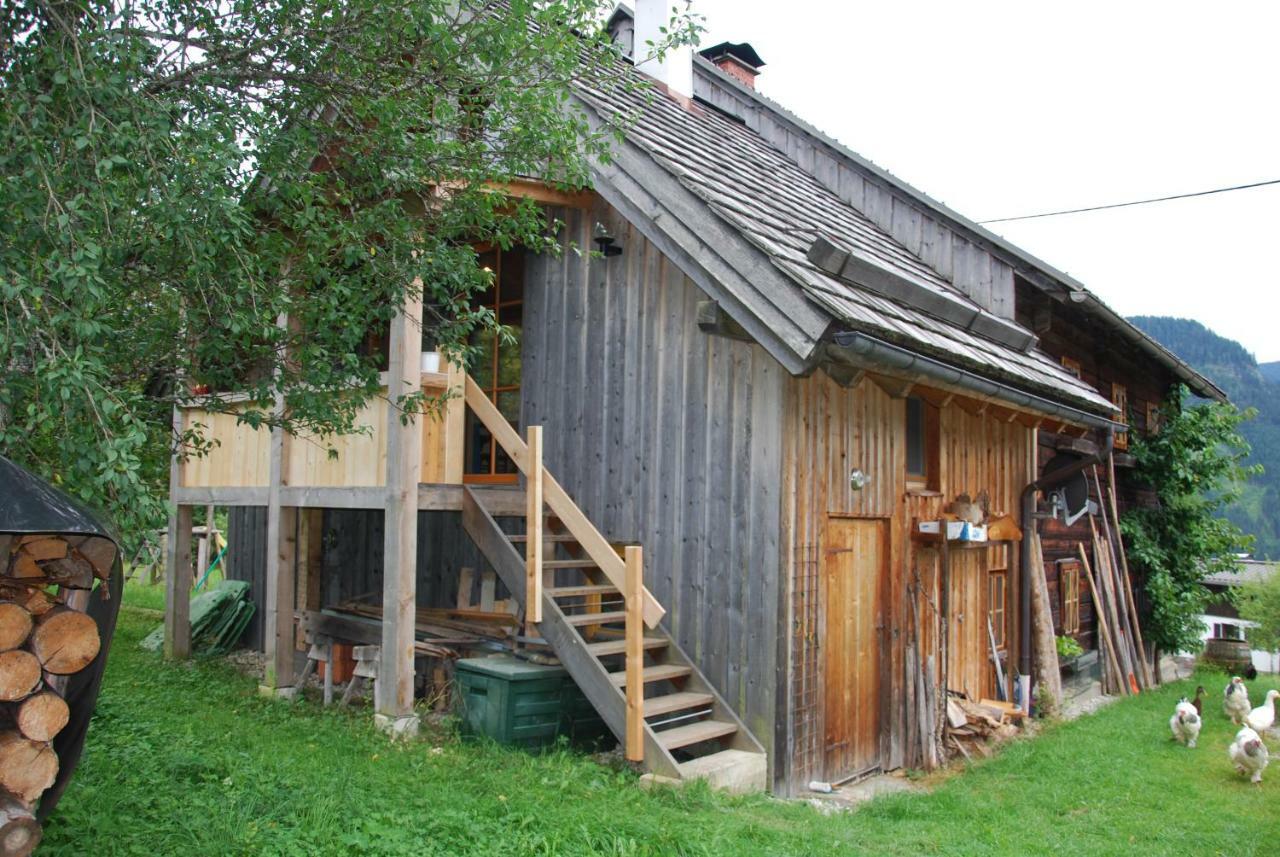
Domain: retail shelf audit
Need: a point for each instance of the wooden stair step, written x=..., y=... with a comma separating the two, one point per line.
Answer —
x=654, y=706
x=546, y=537
x=586, y=589
x=619, y=647
x=568, y=563
x=694, y=733
x=661, y=672
x=579, y=619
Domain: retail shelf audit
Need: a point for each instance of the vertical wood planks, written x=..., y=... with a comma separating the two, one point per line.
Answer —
x=634, y=559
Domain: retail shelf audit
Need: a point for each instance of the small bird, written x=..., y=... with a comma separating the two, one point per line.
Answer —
x=1198, y=702
x=1249, y=754
x=1263, y=717
x=1235, y=700
x=1185, y=723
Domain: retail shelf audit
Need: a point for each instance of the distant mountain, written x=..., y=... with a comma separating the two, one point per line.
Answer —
x=1229, y=365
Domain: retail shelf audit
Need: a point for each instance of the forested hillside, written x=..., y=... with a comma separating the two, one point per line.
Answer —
x=1231, y=367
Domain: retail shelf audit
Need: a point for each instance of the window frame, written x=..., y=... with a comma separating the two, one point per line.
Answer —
x=1120, y=398
x=1072, y=365
x=999, y=617
x=1069, y=596
x=930, y=440
x=494, y=389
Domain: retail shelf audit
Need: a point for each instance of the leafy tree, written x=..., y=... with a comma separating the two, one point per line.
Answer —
x=1259, y=601
x=1195, y=465
x=180, y=174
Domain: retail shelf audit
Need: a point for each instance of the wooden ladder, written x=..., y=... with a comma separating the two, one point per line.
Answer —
x=604, y=627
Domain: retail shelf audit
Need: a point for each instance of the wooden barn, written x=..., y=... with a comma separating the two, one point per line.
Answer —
x=729, y=427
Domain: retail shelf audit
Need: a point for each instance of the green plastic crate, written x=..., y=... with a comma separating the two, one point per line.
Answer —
x=521, y=704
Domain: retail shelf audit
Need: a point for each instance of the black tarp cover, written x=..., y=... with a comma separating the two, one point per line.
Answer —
x=29, y=505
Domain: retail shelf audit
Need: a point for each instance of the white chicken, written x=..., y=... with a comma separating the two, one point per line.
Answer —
x=1185, y=723
x=1263, y=717
x=1235, y=700
x=1249, y=754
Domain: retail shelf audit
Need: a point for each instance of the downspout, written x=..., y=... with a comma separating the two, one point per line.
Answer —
x=1029, y=525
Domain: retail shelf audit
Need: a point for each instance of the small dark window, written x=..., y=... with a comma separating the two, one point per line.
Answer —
x=997, y=609
x=922, y=444
x=1069, y=596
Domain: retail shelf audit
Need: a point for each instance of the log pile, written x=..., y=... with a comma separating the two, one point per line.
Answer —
x=973, y=727
x=44, y=637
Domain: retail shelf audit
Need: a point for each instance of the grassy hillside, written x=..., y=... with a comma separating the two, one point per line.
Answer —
x=1234, y=369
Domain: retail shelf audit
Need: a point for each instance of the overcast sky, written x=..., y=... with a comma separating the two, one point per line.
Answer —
x=1001, y=109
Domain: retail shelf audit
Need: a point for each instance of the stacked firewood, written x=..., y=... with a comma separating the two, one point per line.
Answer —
x=972, y=727
x=45, y=637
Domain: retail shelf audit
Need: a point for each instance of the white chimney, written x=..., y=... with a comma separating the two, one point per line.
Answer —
x=676, y=67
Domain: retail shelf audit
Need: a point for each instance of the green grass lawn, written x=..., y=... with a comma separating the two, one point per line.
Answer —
x=188, y=760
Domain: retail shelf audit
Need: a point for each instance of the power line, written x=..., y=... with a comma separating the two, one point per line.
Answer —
x=1135, y=202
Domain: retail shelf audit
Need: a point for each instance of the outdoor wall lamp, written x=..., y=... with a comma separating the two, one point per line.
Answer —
x=858, y=480
x=607, y=243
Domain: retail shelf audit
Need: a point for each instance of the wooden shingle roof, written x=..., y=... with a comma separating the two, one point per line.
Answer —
x=775, y=211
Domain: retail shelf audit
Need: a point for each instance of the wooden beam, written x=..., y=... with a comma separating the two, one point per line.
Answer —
x=713, y=319
x=223, y=495
x=533, y=519
x=544, y=193
x=278, y=632
x=177, y=585
x=895, y=388
x=455, y=426
x=843, y=374
x=394, y=702
x=634, y=593
x=177, y=561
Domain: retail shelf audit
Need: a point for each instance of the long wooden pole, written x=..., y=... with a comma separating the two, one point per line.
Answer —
x=1128, y=583
x=634, y=558
x=533, y=539
x=1124, y=594
x=1102, y=622
x=1115, y=610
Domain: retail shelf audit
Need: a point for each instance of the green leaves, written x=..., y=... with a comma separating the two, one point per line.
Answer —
x=1195, y=464
x=176, y=175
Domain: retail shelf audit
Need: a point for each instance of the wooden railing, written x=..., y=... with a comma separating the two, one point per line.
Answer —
x=595, y=545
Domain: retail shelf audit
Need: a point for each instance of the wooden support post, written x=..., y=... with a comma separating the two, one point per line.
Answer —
x=177, y=563
x=533, y=539
x=455, y=425
x=278, y=635
x=634, y=595
x=310, y=556
x=393, y=698
x=205, y=550
x=177, y=585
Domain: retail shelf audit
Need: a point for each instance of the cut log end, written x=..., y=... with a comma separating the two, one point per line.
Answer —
x=66, y=641
x=42, y=716
x=27, y=767
x=19, y=674
x=19, y=831
x=15, y=625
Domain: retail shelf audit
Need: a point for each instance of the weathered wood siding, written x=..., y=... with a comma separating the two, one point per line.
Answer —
x=830, y=430
x=980, y=274
x=668, y=437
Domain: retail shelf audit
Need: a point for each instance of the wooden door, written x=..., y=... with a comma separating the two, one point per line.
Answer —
x=855, y=568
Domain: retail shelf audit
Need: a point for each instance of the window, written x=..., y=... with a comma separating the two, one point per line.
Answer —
x=1069, y=596
x=1120, y=398
x=998, y=601
x=1153, y=418
x=922, y=444
x=1071, y=365
x=496, y=369
x=1225, y=631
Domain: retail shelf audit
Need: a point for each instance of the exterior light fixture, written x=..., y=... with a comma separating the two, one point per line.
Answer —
x=858, y=480
x=607, y=244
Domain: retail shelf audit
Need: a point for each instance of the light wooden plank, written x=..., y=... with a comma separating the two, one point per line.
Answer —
x=635, y=674
x=403, y=472
x=533, y=516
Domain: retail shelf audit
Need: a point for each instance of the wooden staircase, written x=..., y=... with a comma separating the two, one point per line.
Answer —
x=649, y=693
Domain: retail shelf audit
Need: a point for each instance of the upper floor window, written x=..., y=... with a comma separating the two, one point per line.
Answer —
x=1071, y=365
x=1120, y=398
x=922, y=445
